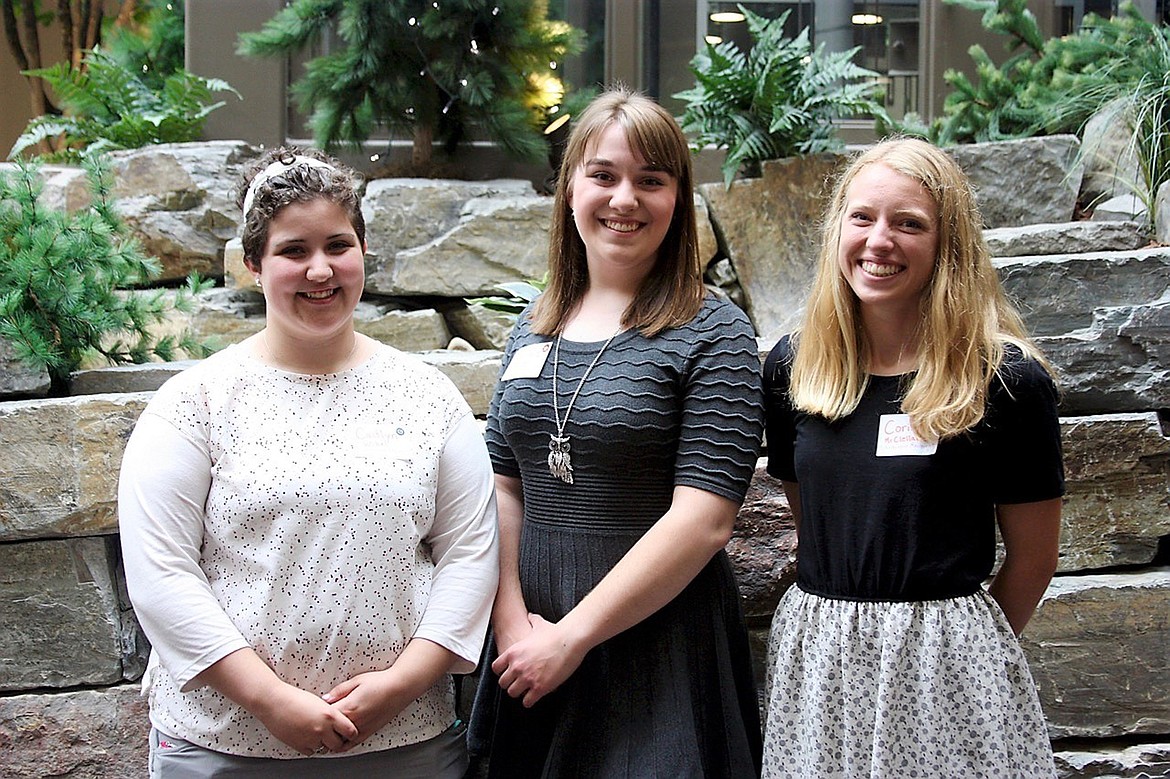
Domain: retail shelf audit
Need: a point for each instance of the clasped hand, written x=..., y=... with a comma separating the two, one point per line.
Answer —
x=538, y=663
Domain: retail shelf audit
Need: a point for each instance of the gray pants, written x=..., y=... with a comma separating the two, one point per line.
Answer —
x=442, y=757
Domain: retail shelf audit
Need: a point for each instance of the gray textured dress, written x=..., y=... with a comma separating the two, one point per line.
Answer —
x=674, y=695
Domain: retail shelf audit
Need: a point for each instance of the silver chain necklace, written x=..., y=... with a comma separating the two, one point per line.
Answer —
x=560, y=464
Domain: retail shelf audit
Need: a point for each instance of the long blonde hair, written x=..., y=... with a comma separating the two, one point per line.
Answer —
x=673, y=291
x=966, y=320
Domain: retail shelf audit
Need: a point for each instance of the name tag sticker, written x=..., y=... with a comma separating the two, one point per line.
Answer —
x=896, y=438
x=527, y=362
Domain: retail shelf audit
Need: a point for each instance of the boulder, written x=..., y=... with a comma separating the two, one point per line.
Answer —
x=1162, y=214
x=146, y=377
x=447, y=237
x=179, y=201
x=1127, y=207
x=1114, y=760
x=1066, y=238
x=482, y=327
x=474, y=373
x=17, y=378
x=1117, y=468
x=89, y=734
x=1026, y=181
x=1097, y=649
x=1111, y=166
x=769, y=232
x=65, y=624
x=763, y=547
x=1118, y=363
x=59, y=468
x=1059, y=293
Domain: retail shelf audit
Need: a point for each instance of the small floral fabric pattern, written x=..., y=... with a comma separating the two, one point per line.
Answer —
x=900, y=689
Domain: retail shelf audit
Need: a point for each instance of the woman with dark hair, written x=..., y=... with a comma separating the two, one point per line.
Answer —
x=308, y=523
x=624, y=431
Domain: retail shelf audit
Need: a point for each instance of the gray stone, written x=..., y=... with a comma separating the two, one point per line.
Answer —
x=1119, y=363
x=769, y=229
x=1097, y=647
x=62, y=615
x=92, y=734
x=495, y=240
x=474, y=373
x=17, y=378
x=179, y=200
x=763, y=547
x=1058, y=294
x=1117, y=468
x=1111, y=166
x=404, y=213
x=59, y=464
x=235, y=273
x=1066, y=238
x=146, y=377
x=1162, y=213
x=409, y=331
x=708, y=243
x=1027, y=181
x=481, y=326
x=1121, y=208
x=1114, y=760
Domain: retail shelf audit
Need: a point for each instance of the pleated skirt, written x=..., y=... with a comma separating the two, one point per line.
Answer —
x=673, y=697
x=900, y=689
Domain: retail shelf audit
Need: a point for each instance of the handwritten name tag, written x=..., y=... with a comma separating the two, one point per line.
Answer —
x=896, y=438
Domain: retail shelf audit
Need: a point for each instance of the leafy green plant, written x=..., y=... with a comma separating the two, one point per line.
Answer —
x=778, y=100
x=519, y=295
x=110, y=107
x=63, y=276
x=432, y=70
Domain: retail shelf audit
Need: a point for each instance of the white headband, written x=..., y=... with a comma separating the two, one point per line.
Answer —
x=283, y=164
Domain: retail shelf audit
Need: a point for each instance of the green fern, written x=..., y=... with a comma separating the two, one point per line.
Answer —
x=110, y=107
x=778, y=100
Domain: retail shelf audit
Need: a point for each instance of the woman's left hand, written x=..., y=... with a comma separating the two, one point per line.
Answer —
x=538, y=664
x=369, y=700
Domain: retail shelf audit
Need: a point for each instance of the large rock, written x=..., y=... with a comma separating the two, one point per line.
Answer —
x=1111, y=166
x=65, y=625
x=454, y=238
x=474, y=373
x=480, y=326
x=1058, y=293
x=1119, y=363
x=17, y=378
x=59, y=463
x=1028, y=181
x=1114, y=760
x=1118, y=475
x=92, y=734
x=1066, y=238
x=763, y=547
x=1097, y=646
x=769, y=231
x=179, y=200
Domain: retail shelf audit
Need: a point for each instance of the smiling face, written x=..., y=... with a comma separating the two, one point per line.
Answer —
x=622, y=206
x=312, y=271
x=889, y=241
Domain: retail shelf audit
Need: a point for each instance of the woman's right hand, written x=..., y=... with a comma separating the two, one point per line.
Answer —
x=300, y=719
x=304, y=721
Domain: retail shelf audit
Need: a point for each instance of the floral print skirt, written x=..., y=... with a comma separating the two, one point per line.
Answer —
x=900, y=689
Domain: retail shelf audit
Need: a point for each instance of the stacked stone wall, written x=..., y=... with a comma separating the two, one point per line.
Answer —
x=1094, y=293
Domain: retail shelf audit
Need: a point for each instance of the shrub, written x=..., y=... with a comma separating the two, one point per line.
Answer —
x=433, y=70
x=61, y=277
x=778, y=100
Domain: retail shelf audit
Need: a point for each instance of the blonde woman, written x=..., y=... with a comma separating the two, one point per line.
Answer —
x=906, y=418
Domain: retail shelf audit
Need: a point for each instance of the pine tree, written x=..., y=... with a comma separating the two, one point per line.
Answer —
x=62, y=277
x=433, y=69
